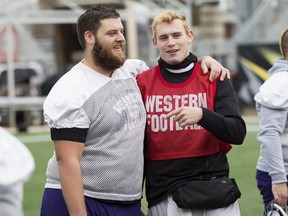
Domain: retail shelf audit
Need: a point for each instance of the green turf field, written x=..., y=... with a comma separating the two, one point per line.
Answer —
x=242, y=164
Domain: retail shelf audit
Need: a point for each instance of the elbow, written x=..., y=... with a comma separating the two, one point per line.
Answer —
x=240, y=135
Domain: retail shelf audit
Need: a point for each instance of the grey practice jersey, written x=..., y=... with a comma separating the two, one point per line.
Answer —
x=112, y=109
x=272, y=108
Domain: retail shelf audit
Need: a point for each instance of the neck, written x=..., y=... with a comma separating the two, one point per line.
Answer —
x=181, y=70
x=186, y=65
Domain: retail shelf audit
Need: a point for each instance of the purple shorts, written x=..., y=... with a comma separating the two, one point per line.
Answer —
x=53, y=204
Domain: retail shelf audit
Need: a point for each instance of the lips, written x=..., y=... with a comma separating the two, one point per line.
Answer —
x=119, y=46
x=172, y=51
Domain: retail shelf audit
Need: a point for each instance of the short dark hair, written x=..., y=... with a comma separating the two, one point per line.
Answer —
x=90, y=20
x=284, y=44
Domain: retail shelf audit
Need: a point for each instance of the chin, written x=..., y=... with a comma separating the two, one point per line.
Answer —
x=120, y=55
x=173, y=62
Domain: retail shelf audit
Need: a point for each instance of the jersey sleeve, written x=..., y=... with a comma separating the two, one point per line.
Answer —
x=271, y=125
x=63, y=107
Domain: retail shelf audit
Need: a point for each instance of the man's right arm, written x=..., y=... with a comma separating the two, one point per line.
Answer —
x=68, y=156
x=271, y=125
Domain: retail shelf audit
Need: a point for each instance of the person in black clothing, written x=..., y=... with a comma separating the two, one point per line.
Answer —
x=190, y=125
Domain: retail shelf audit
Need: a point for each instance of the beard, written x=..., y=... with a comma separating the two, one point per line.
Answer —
x=105, y=58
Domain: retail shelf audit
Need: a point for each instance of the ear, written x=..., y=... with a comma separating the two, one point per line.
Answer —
x=190, y=36
x=154, y=40
x=89, y=37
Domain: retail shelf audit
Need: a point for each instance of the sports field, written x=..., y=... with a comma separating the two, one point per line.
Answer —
x=242, y=165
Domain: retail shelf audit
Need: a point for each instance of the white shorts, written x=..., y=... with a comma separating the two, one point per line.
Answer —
x=169, y=208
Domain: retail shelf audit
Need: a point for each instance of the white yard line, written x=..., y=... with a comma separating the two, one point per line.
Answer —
x=34, y=138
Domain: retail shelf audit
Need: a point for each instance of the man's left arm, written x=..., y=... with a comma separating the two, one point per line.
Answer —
x=210, y=64
x=225, y=122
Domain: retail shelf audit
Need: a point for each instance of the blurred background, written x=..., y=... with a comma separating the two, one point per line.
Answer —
x=38, y=44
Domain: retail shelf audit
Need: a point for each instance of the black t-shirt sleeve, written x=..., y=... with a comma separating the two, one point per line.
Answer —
x=225, y=122
x=69, y=134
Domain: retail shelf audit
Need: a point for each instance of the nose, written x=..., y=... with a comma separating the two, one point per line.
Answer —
x=171, y=42
x=120, y=37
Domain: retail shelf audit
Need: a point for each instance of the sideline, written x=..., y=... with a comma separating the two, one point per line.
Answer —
x=33, y=138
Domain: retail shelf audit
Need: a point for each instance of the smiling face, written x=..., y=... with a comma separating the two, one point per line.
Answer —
x=172, y=41
x=110, y=46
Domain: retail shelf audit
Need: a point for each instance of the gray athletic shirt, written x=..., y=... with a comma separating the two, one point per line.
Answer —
x=112, y=109
x=272, y=107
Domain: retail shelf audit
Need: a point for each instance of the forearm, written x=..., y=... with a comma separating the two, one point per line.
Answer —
x=72, y=187
x=225, y=121
x=230, y=129
x=272, y=153
x=271, y=125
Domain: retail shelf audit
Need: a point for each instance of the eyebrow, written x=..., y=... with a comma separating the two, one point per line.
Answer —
x=177, y=32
